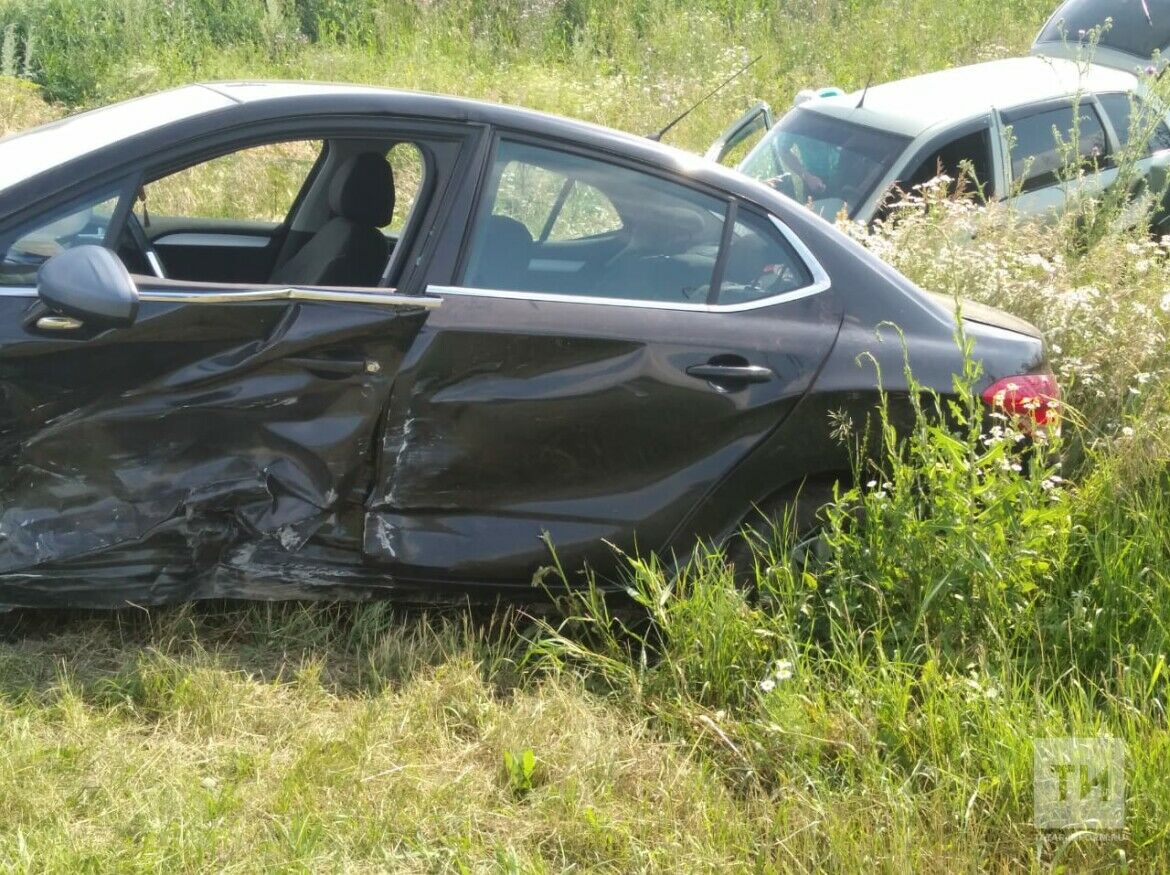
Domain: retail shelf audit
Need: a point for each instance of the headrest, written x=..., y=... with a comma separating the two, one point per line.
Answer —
x=666, y=229
x=503, y=255
x=363, y=190
x=504, y=231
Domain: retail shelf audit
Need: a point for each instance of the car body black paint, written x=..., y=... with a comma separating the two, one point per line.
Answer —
x=335, y=449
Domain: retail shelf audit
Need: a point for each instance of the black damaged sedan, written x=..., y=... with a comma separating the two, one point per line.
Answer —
x=294, y=340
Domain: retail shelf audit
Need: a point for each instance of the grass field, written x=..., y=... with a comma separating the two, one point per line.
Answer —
x=876, y=714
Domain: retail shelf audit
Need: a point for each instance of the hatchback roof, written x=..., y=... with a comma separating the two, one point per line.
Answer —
x=1127, y=34
x=913, y=106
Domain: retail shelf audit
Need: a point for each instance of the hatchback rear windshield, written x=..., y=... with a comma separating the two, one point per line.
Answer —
x=1139, y=26
x=832, y=163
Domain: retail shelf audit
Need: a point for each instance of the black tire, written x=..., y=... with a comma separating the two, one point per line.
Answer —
x=801, y=509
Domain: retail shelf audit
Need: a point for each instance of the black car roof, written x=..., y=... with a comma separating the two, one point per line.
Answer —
x=57, y=149
x=463, y=109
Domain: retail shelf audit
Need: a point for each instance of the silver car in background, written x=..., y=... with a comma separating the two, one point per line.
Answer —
x=1007, y=128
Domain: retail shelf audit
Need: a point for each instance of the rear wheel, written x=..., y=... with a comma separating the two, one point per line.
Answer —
x=787, y=527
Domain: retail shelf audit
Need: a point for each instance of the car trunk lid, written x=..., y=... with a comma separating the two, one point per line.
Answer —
x=982, y=314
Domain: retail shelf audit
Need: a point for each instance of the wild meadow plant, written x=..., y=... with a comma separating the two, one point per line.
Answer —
x=966, y=597
x=978, y=584
x=867, y=704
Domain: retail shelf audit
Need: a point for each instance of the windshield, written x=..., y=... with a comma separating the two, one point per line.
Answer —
x=832, y=163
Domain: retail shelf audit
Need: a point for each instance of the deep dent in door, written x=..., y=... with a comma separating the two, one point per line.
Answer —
x=205, y=479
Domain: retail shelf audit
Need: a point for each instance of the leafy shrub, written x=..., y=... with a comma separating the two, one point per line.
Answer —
x=82, y=50
x=953, y=534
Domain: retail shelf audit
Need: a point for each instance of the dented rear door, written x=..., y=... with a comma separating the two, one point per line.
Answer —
x=595, y=425
x=602, y=359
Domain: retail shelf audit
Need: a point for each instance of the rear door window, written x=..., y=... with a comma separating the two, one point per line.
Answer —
x=563, y=223
x=1046, y=142
x=1127, y=124
x=584, y=211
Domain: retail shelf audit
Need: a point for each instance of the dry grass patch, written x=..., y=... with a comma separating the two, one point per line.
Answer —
x=21, y=106
x=211, y=749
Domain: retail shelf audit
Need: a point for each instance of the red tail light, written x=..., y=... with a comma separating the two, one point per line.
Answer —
x=1032, y=398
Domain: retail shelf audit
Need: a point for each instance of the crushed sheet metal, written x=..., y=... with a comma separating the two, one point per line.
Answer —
x=154, y=490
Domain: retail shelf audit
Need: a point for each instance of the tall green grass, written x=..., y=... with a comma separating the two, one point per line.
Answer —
x=629, y=63
x=966, y=601
x=872, y=711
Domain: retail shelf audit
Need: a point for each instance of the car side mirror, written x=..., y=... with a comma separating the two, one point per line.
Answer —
x=89, y=283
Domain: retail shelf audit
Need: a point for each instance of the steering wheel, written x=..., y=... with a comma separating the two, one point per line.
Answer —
x=784, y=183
x=145, y=247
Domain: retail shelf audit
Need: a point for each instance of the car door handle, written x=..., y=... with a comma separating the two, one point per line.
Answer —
x=720, y=373
x=59, y=323
x=334, y=368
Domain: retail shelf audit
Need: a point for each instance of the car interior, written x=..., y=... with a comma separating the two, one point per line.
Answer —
x=664, y=249
x=338, y=230
x=664, y=254
x=330, y=214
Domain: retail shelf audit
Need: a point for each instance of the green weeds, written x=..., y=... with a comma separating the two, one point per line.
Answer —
x=872, y=709
x=967, y=600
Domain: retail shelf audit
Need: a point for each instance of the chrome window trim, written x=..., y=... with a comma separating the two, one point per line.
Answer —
x=227, y=296
x=245, y=296
x=820, y=283
x=820, y=277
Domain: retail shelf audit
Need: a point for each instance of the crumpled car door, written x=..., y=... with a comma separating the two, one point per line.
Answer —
x=152, y=463
x=599, y=426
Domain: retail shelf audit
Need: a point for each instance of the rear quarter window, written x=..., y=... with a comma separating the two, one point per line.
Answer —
x=761, y=263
